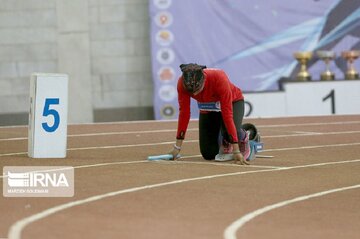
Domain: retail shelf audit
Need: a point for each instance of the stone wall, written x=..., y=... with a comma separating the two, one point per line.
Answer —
x=102, y=44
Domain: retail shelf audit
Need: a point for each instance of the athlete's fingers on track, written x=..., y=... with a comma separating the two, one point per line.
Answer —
x=241, y=161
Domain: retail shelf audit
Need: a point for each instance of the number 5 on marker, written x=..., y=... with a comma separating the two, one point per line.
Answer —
x=48, y=111
x=48, y=115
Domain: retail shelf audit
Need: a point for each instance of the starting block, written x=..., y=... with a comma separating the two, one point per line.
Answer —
x=48, y=115
x=256, y=146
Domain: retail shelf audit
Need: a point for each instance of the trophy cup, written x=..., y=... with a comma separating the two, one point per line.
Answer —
x=303, y=58
x=327, y=57
x=351, y=56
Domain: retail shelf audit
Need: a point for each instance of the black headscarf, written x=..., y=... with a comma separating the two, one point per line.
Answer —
x=193, y=76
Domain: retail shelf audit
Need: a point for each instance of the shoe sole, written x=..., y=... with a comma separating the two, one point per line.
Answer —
x=223, y=157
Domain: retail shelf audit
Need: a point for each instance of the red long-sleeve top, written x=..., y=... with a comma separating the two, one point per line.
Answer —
x=217, y=88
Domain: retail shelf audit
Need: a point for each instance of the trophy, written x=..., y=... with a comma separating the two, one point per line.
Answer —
x=303, y=58
x=327, y=57
x=351, y=56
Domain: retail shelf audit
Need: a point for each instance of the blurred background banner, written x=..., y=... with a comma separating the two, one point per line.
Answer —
x=252, y=40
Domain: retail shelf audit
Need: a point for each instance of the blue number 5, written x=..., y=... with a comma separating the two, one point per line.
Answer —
x=47, y=111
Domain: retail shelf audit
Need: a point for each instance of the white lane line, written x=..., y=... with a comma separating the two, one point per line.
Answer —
x=160, y=161
x=13, y=154
x=105, y=123
x=108, y=133
x=311, y=147
x=194, y=121
x=303, y=132
x=91, y=166
x=323, y=164
x=13, y=126
x=112, y=123
x=196, y=129
x=189, y=141
x=14, y=139
x=130, y=122
x=195, y=141
x=110, y=147
x=130, y=145
x=295, y=134
x=230, y=231
x=17, y=227
x=307, y=124
x=310, y=134
x=231, y=164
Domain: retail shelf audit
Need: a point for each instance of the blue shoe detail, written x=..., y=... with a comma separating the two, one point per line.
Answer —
x=255, y=147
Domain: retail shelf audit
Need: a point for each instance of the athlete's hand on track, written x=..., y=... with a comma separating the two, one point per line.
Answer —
x=239, y=159
x=176, y=149
x=174, y=152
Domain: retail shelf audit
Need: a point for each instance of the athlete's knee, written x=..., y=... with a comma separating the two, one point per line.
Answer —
x=209, y=155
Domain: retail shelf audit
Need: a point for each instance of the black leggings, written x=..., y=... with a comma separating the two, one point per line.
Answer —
x=211, y=125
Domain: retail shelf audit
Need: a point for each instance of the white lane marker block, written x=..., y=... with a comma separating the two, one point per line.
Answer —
x=48, y=115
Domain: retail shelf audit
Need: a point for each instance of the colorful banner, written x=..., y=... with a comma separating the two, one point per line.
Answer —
x=252, y=40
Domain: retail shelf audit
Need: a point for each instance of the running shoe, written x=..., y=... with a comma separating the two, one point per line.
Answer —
x=246, y=149
x=225, y=152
